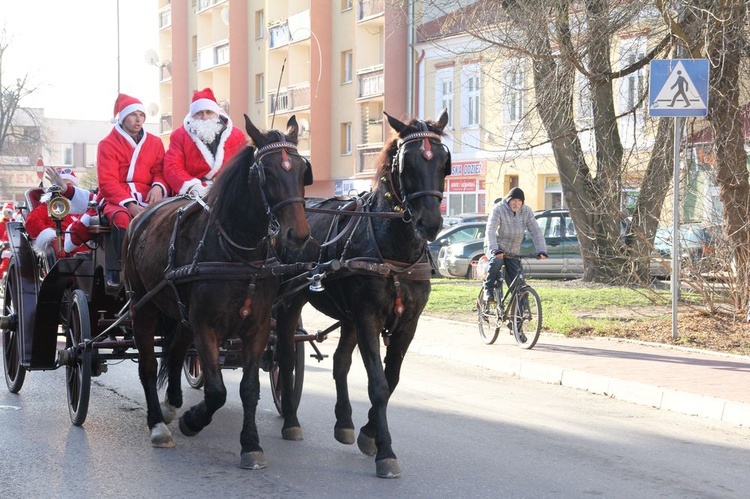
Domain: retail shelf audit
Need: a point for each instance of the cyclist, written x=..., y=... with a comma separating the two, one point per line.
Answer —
x=505, y=229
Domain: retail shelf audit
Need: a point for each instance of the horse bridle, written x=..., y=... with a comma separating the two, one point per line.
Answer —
x=286, y=164
x=403, y=198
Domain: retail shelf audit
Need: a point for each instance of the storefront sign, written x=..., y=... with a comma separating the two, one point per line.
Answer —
x=467, y=168
x=462, y=185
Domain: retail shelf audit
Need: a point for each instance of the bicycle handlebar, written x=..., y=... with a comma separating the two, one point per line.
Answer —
x=514, y=255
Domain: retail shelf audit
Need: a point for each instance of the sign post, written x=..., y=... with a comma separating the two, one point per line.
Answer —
x=677, y=88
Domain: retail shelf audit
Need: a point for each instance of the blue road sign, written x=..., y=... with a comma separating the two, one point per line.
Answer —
x=678, y=87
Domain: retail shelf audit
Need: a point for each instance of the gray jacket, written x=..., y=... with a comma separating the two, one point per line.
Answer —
x=505, y=229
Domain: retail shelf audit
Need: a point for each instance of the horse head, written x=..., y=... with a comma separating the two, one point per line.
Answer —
x=283, y=174
x=414, y=172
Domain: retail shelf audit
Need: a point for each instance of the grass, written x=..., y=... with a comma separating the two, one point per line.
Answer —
x=568, y=306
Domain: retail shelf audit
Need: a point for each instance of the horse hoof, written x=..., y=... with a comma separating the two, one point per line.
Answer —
x=344, y=435
x=161, y=436
x=168, y=412
x=388, y=468
x=367, y=445
x=186, y=430
x=293, y=433
x=253, y=460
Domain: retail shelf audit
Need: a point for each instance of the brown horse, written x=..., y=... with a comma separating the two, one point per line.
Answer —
x=211, y=267
x=384, y=284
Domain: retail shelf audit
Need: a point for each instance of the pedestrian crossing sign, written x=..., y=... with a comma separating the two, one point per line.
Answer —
x=678, y=87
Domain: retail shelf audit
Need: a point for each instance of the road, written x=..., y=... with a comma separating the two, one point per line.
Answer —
x=458, y=431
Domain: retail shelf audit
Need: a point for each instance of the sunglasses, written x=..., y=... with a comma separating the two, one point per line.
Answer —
x=64, y=171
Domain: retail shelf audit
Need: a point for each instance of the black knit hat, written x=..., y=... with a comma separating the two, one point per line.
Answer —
x=516, y=193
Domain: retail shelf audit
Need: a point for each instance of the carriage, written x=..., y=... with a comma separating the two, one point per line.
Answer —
x=220, y=283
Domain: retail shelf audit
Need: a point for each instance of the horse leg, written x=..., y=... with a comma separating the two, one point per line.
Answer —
x=251, y=457
x=145, y=323
x=174, y=361
x=214, y=392
x=343, y=431
x=376, y=428
x=286, y=324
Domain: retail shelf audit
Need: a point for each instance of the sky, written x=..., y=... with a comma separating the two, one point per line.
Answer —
x=69, y=51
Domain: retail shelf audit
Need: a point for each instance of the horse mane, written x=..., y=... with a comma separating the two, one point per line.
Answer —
x=231, y=186
x=385, y=158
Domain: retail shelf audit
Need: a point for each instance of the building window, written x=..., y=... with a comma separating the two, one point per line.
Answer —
x=346, y=66
x=514, y=86
x=444, y=97
x=260, y=25
x=67, y=155
x=221, y=54
x=470, y=96
x=260, y=87
x=346, y=138
x=346, y=5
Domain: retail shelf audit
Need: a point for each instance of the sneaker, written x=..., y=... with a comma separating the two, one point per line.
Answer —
x=489, y=296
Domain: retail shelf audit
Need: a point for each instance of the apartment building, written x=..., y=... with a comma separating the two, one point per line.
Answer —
x=335, y=65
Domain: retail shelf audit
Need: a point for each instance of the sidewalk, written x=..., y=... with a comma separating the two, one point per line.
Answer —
x=688, y=381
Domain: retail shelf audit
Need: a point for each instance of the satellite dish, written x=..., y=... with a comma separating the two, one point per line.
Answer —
x=153, y=109
x=225, y=15
x=152, y=58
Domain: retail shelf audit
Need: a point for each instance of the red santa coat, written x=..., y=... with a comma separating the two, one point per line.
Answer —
x=41, y=228
x=127, y=171
x=189, y=162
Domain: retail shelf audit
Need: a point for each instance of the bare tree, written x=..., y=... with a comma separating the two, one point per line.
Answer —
x=11, y=111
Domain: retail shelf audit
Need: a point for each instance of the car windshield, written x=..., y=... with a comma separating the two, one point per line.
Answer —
x=689, y=235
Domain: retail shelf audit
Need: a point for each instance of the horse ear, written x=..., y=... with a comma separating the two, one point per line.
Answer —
x=443, y=120
x=395, y=124
x=292, y=128
x=253, y=132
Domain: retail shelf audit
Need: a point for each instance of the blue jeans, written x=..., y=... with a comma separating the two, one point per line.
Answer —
x=512, y=269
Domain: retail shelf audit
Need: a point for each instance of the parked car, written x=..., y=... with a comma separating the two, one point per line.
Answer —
x=697, y=246
x=464, y=218
x=455, y=260
x=460, y=233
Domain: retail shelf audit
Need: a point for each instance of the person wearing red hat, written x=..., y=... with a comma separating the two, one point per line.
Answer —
x=41, y=227
x=129, y=168
x=6, y=216
x=200, y=147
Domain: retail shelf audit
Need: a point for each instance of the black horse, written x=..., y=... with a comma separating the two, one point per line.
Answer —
x=221, y=256
x=384, y=283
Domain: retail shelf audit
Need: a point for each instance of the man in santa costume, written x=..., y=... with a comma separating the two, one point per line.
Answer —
x=41, y=227
x=200, y=148
x=129, y=167
x=6, y=216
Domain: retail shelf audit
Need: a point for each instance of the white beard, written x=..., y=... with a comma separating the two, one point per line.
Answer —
x=205, y=130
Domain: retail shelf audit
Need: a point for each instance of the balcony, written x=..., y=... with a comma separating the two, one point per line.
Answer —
x=369, y=9
x=368, y=157
x=291, y=30
x=290, y=99
x=370, y=81
x=166, y=123
x=207, y=4
x=165, y=17
x=165, y=71
x=210, y=57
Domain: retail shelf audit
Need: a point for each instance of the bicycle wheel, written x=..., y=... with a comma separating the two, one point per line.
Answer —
x=487, y=319
x=526, y=318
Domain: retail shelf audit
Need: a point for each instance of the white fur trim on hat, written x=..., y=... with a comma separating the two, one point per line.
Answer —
x=72, y=178
x=204, y=105
x=130, y=109
x=44, y=239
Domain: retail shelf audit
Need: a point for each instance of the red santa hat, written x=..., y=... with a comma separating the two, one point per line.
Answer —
x=204, y=100
x=68, y=174
x=124, y=105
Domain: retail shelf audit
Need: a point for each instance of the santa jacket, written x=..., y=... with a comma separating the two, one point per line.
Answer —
x=127, y=171
x=188, y=160
x=41, y=228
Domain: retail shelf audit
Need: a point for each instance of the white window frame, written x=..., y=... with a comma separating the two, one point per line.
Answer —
x=67, y=156
x=347, y=69
x=346, y=139
x=514, y=78
x=444, y=93
x=470, y=96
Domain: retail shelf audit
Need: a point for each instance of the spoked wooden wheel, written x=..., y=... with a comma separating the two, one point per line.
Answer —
x=78, y=375
x=193, y=370
x=487, y=319
x=15, y=373
x=526, y=318
x=299, y=375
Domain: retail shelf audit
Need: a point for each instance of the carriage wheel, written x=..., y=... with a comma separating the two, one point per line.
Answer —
x=193, y=370
x=299, y=375
x=78, y=376
x=15, y=373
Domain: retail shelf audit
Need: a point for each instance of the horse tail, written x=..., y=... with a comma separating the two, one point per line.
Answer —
x=169, y=329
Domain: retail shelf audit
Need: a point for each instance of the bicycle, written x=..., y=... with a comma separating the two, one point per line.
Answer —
x=519, y=306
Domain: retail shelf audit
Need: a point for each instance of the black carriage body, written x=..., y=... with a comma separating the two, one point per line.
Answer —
x=42, y=295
